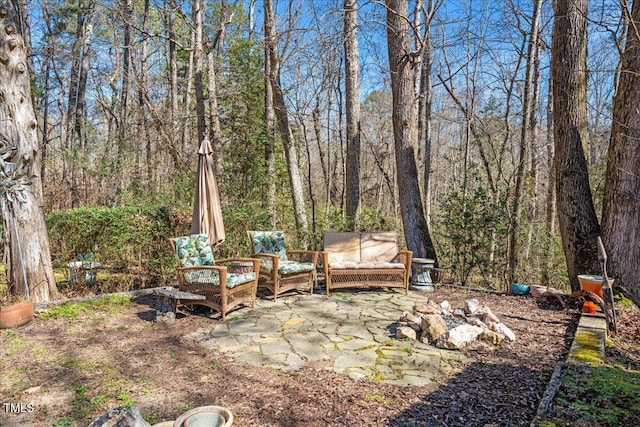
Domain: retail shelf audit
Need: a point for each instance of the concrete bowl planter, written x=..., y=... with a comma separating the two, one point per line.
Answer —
x=205, y=416
x=14, y=315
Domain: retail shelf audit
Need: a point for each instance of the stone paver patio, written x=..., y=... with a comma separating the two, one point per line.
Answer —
x=352, y=333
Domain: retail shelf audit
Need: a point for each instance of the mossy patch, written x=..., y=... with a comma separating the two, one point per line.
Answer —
x=604, y=395
x=586, y=348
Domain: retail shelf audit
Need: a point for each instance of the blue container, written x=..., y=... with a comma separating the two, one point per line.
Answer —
x=519, y=289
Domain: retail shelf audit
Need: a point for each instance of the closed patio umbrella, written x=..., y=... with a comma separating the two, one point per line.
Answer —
x=207, y=212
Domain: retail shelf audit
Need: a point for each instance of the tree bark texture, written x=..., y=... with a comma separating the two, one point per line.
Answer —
x=621, y=210
x=352, y=95
x=26, y=246
x=404, y=116
x=576, y=213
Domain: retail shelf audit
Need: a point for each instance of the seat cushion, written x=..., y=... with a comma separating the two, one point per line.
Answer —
x=194, y=250
x=270, y=242
x=235, y=279
x=211, y=277
x=291, y=267
x=204, y=276
x=348, y=265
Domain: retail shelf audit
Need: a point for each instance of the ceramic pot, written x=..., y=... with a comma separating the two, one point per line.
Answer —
x=16, y=314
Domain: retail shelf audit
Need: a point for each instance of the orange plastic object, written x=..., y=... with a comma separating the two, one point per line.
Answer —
x=589, y=307
x=592, y=283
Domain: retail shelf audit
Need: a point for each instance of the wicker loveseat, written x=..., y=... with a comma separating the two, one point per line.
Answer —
x=365, y=260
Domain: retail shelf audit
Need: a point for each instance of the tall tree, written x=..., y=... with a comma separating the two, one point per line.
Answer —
x=577, y=219
x=425, y=100
x=621, y=210
x=402, y=66
x=282, y=114
x=352, y=95
x=526, y=134
x=27, y=258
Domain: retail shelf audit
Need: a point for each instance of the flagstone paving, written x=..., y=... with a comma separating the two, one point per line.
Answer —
x=351, y=333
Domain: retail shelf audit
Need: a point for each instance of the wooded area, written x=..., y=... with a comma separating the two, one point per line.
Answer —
x=471, y=126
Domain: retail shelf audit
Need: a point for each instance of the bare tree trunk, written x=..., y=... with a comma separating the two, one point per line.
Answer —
x=404, y=118
x=270, y=138
x=216, y=51
x=172, y=59
x=550, y=220
x=124, y=96
x=352, y=86
x=198, y=47
x=77, y=91
x=186, y=120
x=425, y=108
x=576, y=214
x=143, y=128
x=282, y=114
x=621, y=212
x=27, y=257
x=528, y=110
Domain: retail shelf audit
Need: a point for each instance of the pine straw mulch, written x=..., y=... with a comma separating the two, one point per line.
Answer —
x=73, y=369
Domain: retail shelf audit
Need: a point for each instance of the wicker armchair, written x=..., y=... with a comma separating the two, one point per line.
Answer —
x=282, y=270
x=198, y=273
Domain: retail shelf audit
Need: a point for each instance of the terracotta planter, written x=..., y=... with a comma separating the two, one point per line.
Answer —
x=16, y=314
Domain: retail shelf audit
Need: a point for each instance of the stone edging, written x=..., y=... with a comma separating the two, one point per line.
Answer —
x=588, y=347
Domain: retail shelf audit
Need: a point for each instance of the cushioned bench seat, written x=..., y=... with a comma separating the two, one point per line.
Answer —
x=365, y=260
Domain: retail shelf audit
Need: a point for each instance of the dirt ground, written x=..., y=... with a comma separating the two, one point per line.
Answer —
x=65, y=371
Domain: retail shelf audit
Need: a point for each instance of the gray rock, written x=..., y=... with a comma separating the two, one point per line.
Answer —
x=487, y=316
x=446, y=308
x=459, y=337
x=122, y=416
x=471, y=306
x=503, y=329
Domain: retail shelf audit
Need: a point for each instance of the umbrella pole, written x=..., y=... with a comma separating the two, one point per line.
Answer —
x=607, y=292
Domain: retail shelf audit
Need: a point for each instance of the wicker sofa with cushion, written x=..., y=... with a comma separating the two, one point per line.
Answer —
x=365, y=260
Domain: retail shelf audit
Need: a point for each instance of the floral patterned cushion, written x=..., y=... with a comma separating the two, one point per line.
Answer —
x=290, y=267
x=209, y=276
x=234, y=279
x=194, y=250
x=271, y=242
x=206, y=276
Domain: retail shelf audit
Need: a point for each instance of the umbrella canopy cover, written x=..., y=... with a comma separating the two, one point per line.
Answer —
x=207, y=211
